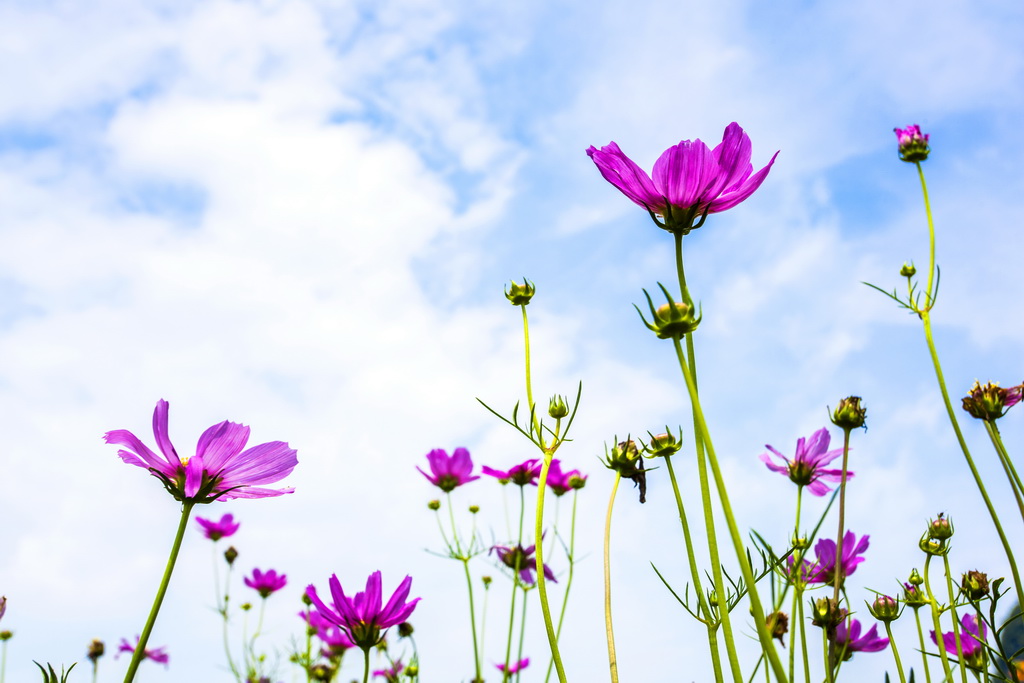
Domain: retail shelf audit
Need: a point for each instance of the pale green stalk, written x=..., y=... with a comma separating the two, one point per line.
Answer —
x=924, y=653
x=140, y=648
x=515, y=584
x=366, y=665
x=803, y=644
x=709, y=618
x=522, y=634
x=3, y=660
x=956, y=620
x=935, y=621
x=464, y=558
x=1004, y=460
x=837, y=578
x=542, y=589
x=568, y=582
x=895, y=653
x=613, y=664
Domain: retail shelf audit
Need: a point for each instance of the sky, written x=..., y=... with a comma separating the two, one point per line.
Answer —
x=301, y=216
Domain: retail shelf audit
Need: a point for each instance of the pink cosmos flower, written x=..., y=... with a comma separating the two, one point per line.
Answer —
x=227, y=526
x=689, y=180
x=3, y=606
x=514, y=668
x=824, y=569
x=807, y=466
x=912, y=143
x=522, y=474
x=448, y=472
x=157, y=654
x=849, y=640
x=267, y=582
x=562, y=482
x=973, y=634
x=525, y=560
x=220, y=469
x=390, y=674
x=362, y=617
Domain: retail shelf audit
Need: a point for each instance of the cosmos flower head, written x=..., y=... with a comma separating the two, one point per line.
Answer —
x=390, y=675
x=561, y=482
x=824, y=569
x=227, y=526
x=973, y=634
x=911, y=143
x=848, y=639
x=266, y=582
x=447, y=472
x=514, y=668
x=807, y=468
x=689, y=180
x=522, y=474
x=523, y=559
x=157, y=654
x=363, y=617
x=220, y=468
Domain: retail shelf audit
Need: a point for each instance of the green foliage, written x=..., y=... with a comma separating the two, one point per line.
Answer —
x=50, y=676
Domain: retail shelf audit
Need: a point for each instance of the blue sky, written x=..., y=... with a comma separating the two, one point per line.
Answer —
x=300, y=215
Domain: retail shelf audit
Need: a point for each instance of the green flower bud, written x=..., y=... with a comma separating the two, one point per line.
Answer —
x=913, y=596
x=434, y=505
x=6, y=635
x=800, y=543
x=912, y=143
x=975, y=585
x=473, y=509
x=885, y=608
x=908, y=270
x=246, y=606
x=849, y=414
x=826, y=613
x=413, y=670
x=915, y=578
x=625, y=459
x=664, y=445
x=405, y=629
x=306, y=600
x=96, y=649
x=230, y=555
x=557, y=408
x=932, y=546
x=672, y=320
x=520, y=295
x=486, y=580
x=940, y=528
x=577, y=482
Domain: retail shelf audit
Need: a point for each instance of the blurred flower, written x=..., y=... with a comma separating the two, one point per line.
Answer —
x=267, y=582
x=157, y=654
x=390, y=674
x=689, y=180
x=522, y=474
x=913, y=144
x=824, y=569
x=220, y=469
x=849, y=640
x=230, y=555
x=514, y=668
x=449, y=471
x=3, y=606
x=807, y=466
x=778, y=625
x=96, y=650
x=562, y=482
x=524, y=559
x=972, y=640
x=362, y=616
x=227, y=526
x=990, y=402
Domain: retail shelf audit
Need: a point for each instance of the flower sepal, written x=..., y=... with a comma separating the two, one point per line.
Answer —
x=672, y=320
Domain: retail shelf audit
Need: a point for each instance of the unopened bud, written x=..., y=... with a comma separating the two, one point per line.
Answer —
x=914, y=596
x=940, y=528
x=849, y=414
x=6, y=635
x=231, y=554
x=908, y=270
x=520, y=295
x=885, y=608
x=473, y=509
x=96, y=649
x=557, y=407
x=405, y=629
x=672, y=320
x=434, y=505
x=778, y=625
x=913, y=144
x=412, y=670
x=975, y=585
x=664, y=445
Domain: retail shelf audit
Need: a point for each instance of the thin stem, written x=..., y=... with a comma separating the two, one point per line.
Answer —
x=529, y=382
x=515, y=583
x=224, y=616
x=140, y=648
x=3, y=660
x=522, y=636
x=472, y=617
x=765, y=638
x=366, y=664
x=803, y=644
x=929, y=295
x=837, y=579
x=542, y=586
x=613, y=665
x=956, y=620
x=1004, y=460
x=935, y=622
x=924, y=652
x=568, y=582
x=895, y=652
x=709, y=618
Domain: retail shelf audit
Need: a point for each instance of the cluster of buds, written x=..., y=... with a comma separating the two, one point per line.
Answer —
x=849, y=414
x=672, y=320
x=934, y=540
x=827, y=614
x=520, y=295
x=913, y=596
x=991, y=401
x=913, y=144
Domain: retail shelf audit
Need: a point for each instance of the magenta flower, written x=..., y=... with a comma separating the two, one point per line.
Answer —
x=515, y=668
x=390, y=674
x=3, y=606
x=157, y=654
x=227, y=526
x=973, y=634
x=562, y=482
x=807, y=466
x=449, y=472
x=912, y=143
x=522, y=474
x=849, y=640
x=524, y=560
x=824, y=570
x=362, y=617
x=220, y=469
x=689, y=180
x=267, y=582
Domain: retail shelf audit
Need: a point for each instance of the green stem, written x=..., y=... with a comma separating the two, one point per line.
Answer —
x=224, y=616
x=895, y=653
x=522, y=636
x=613, y=664
x=529, y=382
x=1004, y=460
x=472, y=618
x=703, y=436
x=3, y=661
x=542, y=586
x=935, y=622
x=929, y=292
x=956, y=620
x=366, y=665
x=924, y=652
x=515, y=583
x=568, y=582
x=709, y=617
x=803, y=643
x=140, y=648
x=837, y=579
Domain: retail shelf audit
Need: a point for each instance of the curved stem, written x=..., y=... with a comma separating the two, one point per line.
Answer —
x=613, y=664
x=522, y=636
x=935, y=622
x=542, y=586
x=140, y=648
x=1004, y=460
x=837, y=579
x=568, y=582
x=956, y=620
x=929, y=295
x=895, y=653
